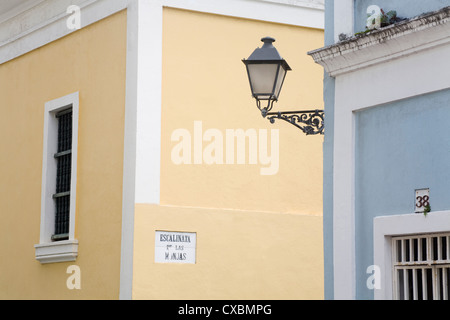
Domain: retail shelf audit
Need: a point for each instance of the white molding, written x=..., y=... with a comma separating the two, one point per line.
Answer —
x=315, y=4
x=47, y=22
x=61, y=251
x=343, y=198
x=386, y=227
x=395, y=41
x=49, y=171
x=285, y=12
x=149, y=96
x=129, y=152
x=24, y=6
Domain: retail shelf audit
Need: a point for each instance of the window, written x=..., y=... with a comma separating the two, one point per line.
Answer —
x=63, y=175
x=58, y=197
x=412, y=253
x=421, y=267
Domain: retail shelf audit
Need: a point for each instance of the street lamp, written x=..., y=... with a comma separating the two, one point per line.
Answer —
x=266, y=71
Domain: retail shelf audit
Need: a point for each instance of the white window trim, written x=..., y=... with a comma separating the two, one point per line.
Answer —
x=48, y=251
x=387, y=227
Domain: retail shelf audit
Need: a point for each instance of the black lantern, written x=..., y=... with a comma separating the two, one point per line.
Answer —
x=266, y=71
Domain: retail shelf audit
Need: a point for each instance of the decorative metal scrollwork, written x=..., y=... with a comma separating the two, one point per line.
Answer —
x=310, y=122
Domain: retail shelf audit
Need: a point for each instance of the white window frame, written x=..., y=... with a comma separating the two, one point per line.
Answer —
x=48, y=251
x=387, y=227
x=416, y=255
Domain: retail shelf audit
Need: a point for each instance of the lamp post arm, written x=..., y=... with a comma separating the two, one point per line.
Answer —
x=311, y=122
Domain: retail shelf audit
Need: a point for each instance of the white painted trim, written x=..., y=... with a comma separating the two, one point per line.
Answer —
x=386, y=227
x=47, y=22
x=129, y=152
x=272, y=11
x=61, y=251
x=343, y=198
x=343, y=18
x=395, y=41
x=49, y=175
x=316, y=4
x=19, y=9
x=149, y=96
x=396, y=79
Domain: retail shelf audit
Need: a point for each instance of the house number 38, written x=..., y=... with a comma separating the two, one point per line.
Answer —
x=422, y=199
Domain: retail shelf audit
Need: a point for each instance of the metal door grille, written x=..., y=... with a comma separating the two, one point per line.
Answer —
x=63, y=175
x=421, y=267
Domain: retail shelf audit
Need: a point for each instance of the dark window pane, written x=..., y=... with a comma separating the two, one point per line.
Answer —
x=63, y=174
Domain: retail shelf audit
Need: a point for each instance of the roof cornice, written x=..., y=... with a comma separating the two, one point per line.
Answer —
x=46, y=21
x=311, y=4
x=400, y=39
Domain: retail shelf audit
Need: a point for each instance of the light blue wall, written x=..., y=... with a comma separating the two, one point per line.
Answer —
x=400, y=147
x=329, y=85
x=404, y=8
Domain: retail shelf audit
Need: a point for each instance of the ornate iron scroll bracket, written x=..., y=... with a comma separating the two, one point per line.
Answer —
x=310, y=122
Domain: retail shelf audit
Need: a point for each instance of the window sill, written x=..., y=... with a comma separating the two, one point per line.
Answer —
x=60, y=251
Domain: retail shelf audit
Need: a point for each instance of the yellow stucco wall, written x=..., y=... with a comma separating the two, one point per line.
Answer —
x=258, y=236
x=91, y=61
x=205, y=80
x=240, y=255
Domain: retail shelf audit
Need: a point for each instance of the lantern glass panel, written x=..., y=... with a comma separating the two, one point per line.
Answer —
x=262, y=79
x=280, y=80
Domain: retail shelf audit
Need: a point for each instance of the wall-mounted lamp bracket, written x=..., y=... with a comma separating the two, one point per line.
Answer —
x=266, y=71
x=311, y=122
